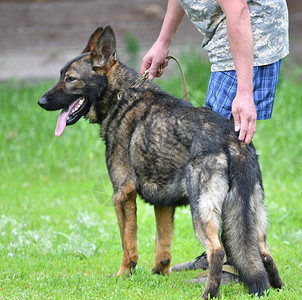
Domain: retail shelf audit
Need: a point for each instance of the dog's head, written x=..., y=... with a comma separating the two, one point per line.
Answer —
x=82, y=80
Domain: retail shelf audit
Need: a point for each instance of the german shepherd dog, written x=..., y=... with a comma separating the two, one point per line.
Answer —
x=171, y=154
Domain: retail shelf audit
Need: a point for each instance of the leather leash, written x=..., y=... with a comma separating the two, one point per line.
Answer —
x=185, y=93
x=225, y=268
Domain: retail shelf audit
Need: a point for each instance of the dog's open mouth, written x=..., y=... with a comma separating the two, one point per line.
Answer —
x=72, y=114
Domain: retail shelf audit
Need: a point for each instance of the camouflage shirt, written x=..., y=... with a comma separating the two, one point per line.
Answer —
x=269, y=20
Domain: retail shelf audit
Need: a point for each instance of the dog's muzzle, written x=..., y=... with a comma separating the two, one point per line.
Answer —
x=43, y=102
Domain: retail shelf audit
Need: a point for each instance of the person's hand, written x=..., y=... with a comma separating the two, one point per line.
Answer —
x=245, y=116
x=156, y=60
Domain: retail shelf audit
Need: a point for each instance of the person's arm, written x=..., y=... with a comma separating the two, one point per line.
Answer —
x=156, y=56
x=240, y=35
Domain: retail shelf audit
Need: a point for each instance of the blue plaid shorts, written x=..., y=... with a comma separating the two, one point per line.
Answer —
x=223, y=88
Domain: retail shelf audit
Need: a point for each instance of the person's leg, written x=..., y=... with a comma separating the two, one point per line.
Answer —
x=265, y=84
x=221, y=92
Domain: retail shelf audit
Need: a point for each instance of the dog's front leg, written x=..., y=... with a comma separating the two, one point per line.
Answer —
x=125, y=206
x=164, y=234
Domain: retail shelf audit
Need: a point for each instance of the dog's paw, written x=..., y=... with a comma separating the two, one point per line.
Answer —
x=162, y=268
x=126, y=270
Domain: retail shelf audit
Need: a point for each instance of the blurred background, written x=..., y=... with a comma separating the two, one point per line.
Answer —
x=38, y=37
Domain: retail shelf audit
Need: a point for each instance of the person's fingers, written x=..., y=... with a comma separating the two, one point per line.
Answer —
x=160, y=71
x=244, y=121
x=250, y=132
x=146, y=63
x=153, y=71
x=161, y=68
x=236, y=118
x=156, y=69
x=243, y=130
x=165, y=64
x=248, y=137
x=246, y=128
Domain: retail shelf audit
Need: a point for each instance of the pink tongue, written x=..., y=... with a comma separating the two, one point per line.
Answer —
x=61, y=123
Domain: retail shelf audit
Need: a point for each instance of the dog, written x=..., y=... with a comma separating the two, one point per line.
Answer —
x=171, y=154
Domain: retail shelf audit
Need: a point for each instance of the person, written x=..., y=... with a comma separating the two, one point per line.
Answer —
x=245, y=41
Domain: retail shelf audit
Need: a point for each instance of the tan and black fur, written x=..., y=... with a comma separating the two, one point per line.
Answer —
x=171, y=154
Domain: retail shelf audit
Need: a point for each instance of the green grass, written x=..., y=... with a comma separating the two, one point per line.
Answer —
x=59, y=236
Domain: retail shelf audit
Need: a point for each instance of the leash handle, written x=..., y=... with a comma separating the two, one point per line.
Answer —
x=185, y=93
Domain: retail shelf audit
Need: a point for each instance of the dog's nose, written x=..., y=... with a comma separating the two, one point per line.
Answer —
x=43, y=101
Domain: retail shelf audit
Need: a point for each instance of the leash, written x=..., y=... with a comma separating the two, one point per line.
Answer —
x=185, y=93
x=225, y=268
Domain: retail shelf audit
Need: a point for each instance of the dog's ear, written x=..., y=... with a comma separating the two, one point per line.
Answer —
x=93, y=40
x=104, y=49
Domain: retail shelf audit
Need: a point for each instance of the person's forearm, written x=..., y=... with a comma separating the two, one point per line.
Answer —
x=173, y=18
x=240, y=35
x=157, y=55
x=242, y=47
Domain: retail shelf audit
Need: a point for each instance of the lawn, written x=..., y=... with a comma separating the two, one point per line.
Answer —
x=59, y=236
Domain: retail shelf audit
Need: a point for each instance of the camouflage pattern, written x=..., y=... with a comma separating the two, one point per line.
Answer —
x=269, y=20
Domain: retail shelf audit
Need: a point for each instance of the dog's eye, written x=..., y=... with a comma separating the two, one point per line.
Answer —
x=70, y=79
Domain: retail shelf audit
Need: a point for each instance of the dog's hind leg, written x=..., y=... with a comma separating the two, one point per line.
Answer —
x=207, y=234
x=164, y=234
x=207, y=194
x=125, y=206
x=269, y=264
x=259, y=213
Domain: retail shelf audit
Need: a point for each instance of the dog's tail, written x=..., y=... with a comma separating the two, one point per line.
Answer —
x=243, y=214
